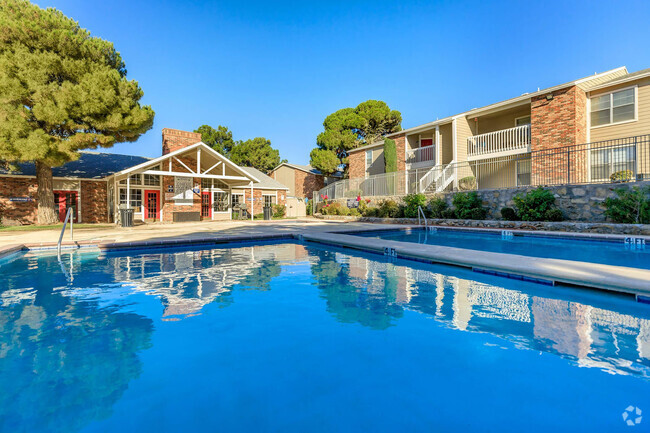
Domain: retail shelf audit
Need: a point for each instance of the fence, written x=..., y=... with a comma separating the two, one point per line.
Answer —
x=619, y=160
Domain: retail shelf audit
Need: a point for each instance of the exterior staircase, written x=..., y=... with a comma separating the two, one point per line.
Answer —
x=438, y=178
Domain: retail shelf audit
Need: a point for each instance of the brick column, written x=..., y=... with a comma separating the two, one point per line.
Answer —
x=558, y=121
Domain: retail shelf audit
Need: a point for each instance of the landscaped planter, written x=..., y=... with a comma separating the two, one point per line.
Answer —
x=564, y=226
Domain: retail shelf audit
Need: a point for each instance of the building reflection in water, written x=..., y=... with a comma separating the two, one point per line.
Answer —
x=377, y=293
x=577, y=324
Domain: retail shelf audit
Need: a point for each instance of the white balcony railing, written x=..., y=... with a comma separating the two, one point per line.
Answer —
x=506, y=141
x=421, y=154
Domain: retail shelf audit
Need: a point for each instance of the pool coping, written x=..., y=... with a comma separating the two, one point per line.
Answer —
x=541, y=270
x=550, y=271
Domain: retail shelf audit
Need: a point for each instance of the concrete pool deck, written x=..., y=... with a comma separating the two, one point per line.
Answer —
x=543, y=270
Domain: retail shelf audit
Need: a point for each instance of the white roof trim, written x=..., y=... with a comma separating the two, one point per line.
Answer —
x=622, y=80
x=511, y=101
x=200, y=144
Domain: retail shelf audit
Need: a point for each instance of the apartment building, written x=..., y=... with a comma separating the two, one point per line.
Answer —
x=588, y=130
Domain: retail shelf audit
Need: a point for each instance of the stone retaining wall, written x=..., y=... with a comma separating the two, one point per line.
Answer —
x=564, y=226
x=577, y=202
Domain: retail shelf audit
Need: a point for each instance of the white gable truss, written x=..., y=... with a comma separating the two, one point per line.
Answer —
x=219, y=167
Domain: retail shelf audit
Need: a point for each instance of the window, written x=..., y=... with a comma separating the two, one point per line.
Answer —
x=613, y=107
x=269, y=200
x=368, y=160
x=619, y=160
x=136, y=198
x=151, y=180
x=237, y=199
x=521, y=121
x=523, y=172
x=206, y=183
x=220, y=202
x=135, y=180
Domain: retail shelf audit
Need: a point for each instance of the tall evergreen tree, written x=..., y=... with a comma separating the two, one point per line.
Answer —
x=219, y=139
x=256, y=152
x=61, y=91
x=349, y=128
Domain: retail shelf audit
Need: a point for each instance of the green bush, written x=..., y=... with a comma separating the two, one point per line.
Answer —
x=468, y=205
x=449, y=213
x=388, y=209
x=353, y=193
x=467, y=183
x=437, y=208
x=279, y=210
x=412, y=202
x=309, y=207
x=390, y=156
x=535, y=205
x=354, y=212
x=630, y=206
x=509, y=214
x=554, y=214
x=622, y=176
x=370, y=212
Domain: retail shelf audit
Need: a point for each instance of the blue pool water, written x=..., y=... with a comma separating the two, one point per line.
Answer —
x=605, y=252
x=293, y=338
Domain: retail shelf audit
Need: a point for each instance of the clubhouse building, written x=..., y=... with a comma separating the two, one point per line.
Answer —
x=189, y=182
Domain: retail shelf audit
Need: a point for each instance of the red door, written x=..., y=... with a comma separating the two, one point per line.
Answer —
x=152, y=204
x=206, y=205
x=63, y=200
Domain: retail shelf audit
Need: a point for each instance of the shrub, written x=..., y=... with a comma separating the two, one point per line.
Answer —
x=353, y=193
x=437, y=207
x=390, y=156
x=388, y=209
x=622, y=176
x=630, y=206
x=534, y=205
x=554, y=214
x=355, y=212
x=309, y=207
x=449, y=213
x=468, y=205
x=279, y=210
x=467, y=183
x=370, y=212
x=509, y=214
x=412, y=202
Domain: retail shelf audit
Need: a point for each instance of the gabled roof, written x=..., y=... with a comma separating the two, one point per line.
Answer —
x=203, y=146
x=90, y=165
x=369, y=146
x=643, y=73
x=264, y=182
x=586, y=83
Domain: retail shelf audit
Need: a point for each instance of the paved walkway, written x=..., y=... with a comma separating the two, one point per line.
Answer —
x=196, y=230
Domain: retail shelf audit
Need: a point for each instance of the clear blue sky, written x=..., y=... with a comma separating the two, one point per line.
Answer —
x=276, y=69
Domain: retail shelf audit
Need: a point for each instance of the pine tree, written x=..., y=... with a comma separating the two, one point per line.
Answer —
x=61, y=91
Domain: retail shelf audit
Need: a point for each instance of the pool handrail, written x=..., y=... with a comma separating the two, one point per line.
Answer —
x=68, y=215
x=420, y=211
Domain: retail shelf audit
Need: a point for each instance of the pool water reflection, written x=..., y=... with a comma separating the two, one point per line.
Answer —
x=288, y=337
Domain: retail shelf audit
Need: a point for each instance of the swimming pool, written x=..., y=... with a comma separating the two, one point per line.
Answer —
x=615, y=252
x=295, y=337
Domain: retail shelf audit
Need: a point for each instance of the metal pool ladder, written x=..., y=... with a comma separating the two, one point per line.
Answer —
x=421, y=212
x=68, y=216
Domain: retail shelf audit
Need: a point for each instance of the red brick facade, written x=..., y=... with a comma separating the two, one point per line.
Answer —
x=307, y=183
x=94, y=201
x=357, y=165
x=174, y=139
x=558, y=122
x=400, y=147
x=17, y=213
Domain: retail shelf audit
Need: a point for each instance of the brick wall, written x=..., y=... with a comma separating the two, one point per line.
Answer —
x=17, y=213
x=357, y=165
x=307, y=183
x=174, y=139
x=400, y=147
x=94, y=201
x=558, y=123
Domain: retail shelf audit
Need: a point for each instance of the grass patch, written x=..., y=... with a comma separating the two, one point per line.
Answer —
x=32, y=228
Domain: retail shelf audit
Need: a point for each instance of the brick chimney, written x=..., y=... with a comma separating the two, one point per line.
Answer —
x=174, y=139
